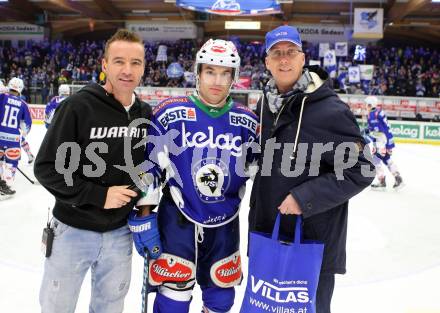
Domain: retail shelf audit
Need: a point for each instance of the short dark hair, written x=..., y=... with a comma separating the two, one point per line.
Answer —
x=122, y=35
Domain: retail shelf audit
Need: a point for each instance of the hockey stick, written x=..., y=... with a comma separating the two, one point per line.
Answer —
x=30, y=180
x=145, y=284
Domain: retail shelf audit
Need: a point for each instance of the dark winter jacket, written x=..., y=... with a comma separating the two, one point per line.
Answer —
x=87, y=119
x=322, y=197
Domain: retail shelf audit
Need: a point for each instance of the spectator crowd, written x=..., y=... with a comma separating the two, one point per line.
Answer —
x=43, y=66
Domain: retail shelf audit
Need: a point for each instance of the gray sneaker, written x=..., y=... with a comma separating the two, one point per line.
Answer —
x=398, y=182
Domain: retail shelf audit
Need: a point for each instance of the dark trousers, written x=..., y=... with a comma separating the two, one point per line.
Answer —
x=324, y=293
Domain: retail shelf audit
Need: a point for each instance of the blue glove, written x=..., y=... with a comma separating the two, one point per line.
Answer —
x=145, y=234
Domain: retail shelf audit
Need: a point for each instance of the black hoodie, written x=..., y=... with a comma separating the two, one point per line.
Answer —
x=93, y=121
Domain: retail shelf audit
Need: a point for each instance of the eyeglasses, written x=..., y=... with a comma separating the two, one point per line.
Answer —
x=278, y=54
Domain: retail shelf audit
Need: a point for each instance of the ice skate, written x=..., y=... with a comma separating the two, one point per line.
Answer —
x=5, y=191
x=31, y=159
x=398, y=182
x=380, y=185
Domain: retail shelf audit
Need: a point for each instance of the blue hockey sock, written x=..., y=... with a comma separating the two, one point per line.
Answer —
x=218, y=299
x=164, y=304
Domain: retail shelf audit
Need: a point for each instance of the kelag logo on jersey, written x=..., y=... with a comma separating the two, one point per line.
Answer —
x=244, y=120
x=221, y=141
x=211, y=179
x=177, y=114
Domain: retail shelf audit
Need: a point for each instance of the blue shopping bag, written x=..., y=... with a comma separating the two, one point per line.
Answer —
x=282, y=277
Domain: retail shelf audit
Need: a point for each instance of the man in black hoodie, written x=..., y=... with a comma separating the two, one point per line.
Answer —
x=312, y=159
x=80, y=162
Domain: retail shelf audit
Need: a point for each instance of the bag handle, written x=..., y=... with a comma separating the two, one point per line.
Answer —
x=298, y=230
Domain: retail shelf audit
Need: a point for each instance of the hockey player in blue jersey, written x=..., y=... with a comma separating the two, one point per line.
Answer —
x=16, y=85
x=200, y=154
x=15, y=121
x=382, y=142
x=63, y=93
x=5, y=191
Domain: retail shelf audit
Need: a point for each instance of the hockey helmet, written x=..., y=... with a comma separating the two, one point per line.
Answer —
x=16, y=84
x=218, y=52
x=63, y=90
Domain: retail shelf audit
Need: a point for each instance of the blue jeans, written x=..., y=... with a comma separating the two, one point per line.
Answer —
x=74, y=252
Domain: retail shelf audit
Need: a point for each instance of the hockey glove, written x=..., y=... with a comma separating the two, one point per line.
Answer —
x=145, y=234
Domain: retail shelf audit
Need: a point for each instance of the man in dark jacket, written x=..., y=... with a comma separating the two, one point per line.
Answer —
x=78, y=164
x=312, y=159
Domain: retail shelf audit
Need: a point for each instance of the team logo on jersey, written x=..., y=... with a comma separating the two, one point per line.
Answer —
x=227, y=272
x=211, y=179
x=175, y=114
x=243, y=120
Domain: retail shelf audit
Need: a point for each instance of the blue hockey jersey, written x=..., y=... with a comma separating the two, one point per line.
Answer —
x=377, y=122
x=50, y=109
x=15, y=119
x=203, y=153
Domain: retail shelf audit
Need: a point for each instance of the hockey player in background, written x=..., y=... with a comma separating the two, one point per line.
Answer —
x=197, y=152
x=382, y=144
x=15, y=121
x=25, y=146
x=23, y=143
x=4, y=194
x=63, y=93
